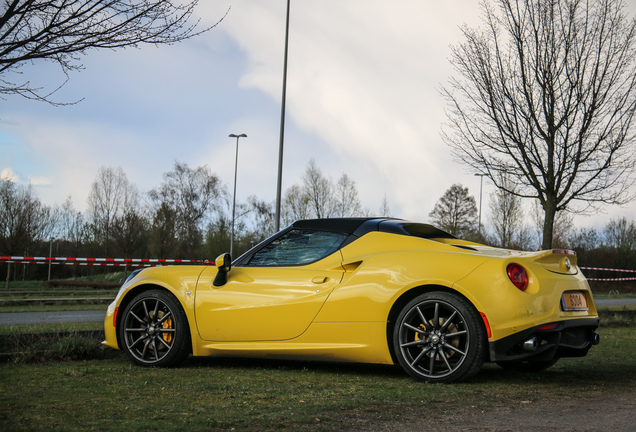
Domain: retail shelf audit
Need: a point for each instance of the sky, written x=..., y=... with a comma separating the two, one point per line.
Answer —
x=363, y=98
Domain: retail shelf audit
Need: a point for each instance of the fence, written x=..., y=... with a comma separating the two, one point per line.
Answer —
x=612, y=270
x=146, y=262
x=104, y=262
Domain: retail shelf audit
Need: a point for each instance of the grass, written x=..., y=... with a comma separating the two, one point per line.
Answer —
x=259, y=395
x=42, y=389
x=51, y=328
x=46, y=342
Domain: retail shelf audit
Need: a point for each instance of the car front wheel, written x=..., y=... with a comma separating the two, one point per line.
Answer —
x=439, y=337
x=154, y=330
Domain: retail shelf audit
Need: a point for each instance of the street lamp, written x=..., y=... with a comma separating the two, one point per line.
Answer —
x=481, y=184
x=279, y=182
x=234, y=200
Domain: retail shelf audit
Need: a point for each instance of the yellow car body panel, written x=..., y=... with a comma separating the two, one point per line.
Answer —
x=383, y=267
x=344, y=342
x=180, y=281
x=262, y=304
x=510, y=310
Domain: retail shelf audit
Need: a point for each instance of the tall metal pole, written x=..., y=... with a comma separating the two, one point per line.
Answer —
x=234, y=199
x=279, y=183
x=50, y=255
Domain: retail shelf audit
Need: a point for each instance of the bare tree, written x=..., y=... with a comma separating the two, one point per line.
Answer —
x=319, y=191
x=547, y=95
x=621, y=234
x=385, y=210
x=455, y=212
x=111, y=196
x=23, y=218
x=130, y=233
x=562, y=229
x=71, y=226
x=295, y=205
x=506, y=216
x=191, y=195
x=60, y=31
x=261, y=219
x=346, y=202
x=164, y=240
x=585, y=239
x=318, y=197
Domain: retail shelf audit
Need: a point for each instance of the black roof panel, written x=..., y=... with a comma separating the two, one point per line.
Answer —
x=340, y=225
x=361, y=226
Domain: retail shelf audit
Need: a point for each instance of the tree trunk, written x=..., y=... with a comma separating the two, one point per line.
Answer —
x=549, y=208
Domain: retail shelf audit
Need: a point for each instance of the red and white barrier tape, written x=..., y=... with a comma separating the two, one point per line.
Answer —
x=104, y=262
x=147, y=262
x=607, y=269
x=609, y=279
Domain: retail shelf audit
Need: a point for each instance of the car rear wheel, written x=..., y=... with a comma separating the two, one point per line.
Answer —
x=439, y=337
x=154, y=330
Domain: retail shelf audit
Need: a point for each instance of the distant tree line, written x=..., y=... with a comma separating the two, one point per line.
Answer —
x=188, y=216
x=506, y=226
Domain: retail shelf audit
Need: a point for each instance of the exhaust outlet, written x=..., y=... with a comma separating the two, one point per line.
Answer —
x=531, y=344
x=596, y=338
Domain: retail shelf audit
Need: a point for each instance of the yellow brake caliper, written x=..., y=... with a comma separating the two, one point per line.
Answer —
x=167, y=324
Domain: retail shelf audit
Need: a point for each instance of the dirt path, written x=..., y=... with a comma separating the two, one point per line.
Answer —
x=591, y=412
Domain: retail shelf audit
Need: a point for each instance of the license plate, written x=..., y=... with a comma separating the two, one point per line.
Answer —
x=574, y=301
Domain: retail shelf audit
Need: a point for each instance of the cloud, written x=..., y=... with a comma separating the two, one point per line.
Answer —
x=40, y=181
x=363, y=77
x=8, y=174
x=362, y=99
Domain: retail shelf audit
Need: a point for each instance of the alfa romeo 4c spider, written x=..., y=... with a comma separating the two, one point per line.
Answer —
x=368, y=290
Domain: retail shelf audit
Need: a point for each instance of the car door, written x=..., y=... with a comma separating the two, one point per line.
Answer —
x=276, y=295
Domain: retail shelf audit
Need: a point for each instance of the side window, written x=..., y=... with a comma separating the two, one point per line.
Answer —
x=297, y=247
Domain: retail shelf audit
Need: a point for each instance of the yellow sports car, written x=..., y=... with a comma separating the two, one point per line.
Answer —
x=369, y=290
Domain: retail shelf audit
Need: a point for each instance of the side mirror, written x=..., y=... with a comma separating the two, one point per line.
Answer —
x=224, y=265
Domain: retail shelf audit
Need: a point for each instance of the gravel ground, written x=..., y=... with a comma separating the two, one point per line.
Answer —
x=589, y=412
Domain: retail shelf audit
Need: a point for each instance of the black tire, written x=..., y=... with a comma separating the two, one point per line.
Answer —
x=154, y=330
x=440, y=337
x=528, y=366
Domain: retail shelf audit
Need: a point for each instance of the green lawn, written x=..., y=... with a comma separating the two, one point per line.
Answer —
x=252, y=395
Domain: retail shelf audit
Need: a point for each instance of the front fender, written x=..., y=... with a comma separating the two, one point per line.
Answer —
x=180, y=281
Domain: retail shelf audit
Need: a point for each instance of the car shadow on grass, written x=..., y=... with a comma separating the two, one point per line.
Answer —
x=566, y=373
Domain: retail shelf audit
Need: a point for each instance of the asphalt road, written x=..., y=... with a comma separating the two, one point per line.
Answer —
x=615, y=301
x=52, y=317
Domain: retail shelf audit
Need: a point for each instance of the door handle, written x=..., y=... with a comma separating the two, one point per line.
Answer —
x=320, y=279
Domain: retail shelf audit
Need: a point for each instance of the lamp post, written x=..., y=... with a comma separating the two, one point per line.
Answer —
x=481, y=183
x=234, y=200
x=279, y=182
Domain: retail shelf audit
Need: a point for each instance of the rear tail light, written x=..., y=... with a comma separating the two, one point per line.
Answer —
x=518, y=276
